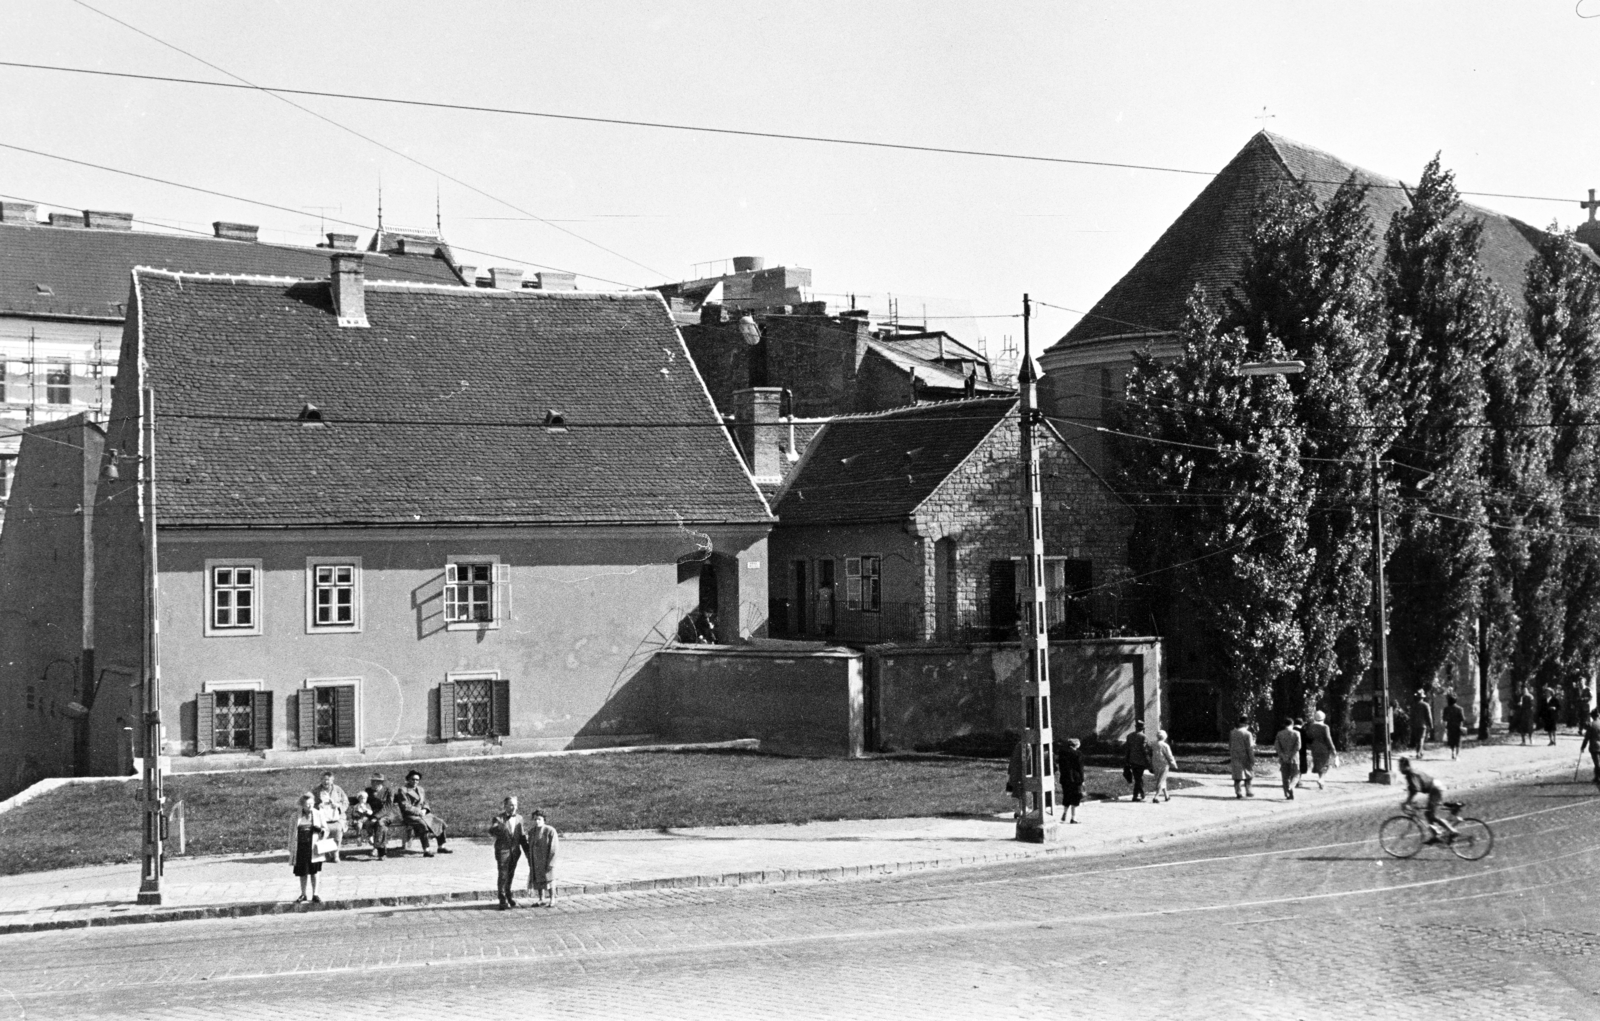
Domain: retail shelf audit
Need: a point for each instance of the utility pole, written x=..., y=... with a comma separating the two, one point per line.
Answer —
x=150, y=876
x=1380, y=643
x=1038, y=822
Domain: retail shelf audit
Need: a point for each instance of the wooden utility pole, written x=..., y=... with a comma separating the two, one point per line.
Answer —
x=1380, y=642
x=1038, y=822
x=150, y=876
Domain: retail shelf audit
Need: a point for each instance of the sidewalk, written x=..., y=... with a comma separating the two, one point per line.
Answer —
x=236, y=886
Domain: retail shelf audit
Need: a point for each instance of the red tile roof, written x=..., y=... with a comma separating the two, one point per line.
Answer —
x=1207, y=243
x=433, y=414
x=77, y=271
x=881, y=467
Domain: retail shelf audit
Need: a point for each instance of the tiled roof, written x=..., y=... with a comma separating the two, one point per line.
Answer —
x=933, y=347
x=433, y=414
x=881, y=467
x=930, y=373
x=77, y=271
x=1207, y=243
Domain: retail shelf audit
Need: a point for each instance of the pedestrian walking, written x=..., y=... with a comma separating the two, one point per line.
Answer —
x=1523, y=717
x=1591, y=743
x=305, y=833
x=417, y=814
x=1136, y=759
x=510, y=839
x=1454, y=718
x=1287, y=745
x=1242, y=759
x=1585, y=703
x=334, y=805
x=542, y=842
x=384, y=814
x=1305, y=765
x=1015, y=773
x=1550, y=715
x=1318, y=737
x=1421, y=717
x=1161, y=761
x=1069, y=772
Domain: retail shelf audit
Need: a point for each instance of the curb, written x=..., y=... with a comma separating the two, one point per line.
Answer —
x=725, y=879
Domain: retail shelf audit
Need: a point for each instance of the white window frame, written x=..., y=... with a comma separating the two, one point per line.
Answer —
x=456, y=677
x=257, y=588
x=313, y=683
x=499, y=593
x=312, y=627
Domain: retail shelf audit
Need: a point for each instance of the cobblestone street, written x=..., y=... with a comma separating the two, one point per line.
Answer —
x=1304, y=920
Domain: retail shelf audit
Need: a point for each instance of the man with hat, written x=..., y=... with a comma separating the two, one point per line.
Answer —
x=415, y=813
x=381, y=800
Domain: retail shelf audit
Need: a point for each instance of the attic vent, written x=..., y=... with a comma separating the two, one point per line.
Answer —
x=44, y=289
x=311, y=416
x=555, y=421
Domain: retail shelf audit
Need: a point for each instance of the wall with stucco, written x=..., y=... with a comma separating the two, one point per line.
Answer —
x=900, y=615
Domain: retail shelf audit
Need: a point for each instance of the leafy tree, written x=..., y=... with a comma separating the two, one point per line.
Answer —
x=1222, y=502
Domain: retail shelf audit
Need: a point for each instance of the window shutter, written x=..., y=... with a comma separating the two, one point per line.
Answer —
x=261, y=713
x=447, y=711
x=500, y=708
x=344, y=715
x=306, y=703
x=205, y=722
x=452, y=609
x=502, y=592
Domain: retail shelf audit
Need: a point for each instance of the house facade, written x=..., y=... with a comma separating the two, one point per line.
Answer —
x=405, y=520
x=908, y=526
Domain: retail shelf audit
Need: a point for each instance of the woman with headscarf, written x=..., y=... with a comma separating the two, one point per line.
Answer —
x=1319, y=739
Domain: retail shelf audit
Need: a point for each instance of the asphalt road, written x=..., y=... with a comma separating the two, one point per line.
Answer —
x=1307, y=920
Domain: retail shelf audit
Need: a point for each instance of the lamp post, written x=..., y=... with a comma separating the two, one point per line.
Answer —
x=1038, y=821
x=150, y=874
x=1380, y=645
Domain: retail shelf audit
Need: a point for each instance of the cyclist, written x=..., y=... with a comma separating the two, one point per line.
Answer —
x=1418, y=782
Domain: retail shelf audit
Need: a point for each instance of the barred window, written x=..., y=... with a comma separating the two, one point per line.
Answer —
x=235, y=719
x=472, y=708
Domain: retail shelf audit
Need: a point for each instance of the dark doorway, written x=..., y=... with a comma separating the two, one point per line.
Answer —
x=1002, y=600
x=801, y=597
x=825, y=584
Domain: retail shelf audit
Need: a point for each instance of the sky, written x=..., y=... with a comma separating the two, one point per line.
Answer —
x=1499, y=89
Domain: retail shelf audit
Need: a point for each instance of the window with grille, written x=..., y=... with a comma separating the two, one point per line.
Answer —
x=235, y=719
x=334, y=595
x=235, y=716
x=474, y=707
x=58, y=384
x=234, y=595
x=327, y=714
x=476, y=593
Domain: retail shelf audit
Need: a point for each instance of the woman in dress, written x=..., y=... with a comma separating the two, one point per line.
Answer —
x=1453, y=719
x=1069, y=770
x=1161, y=760
x=1319, y=738
x=304, y=833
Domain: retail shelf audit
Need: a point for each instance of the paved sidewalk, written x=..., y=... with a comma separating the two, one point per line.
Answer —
x=714, y=856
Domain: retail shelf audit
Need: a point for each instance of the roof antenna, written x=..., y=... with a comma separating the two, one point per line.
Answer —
x=380, y=204
x=438, y=215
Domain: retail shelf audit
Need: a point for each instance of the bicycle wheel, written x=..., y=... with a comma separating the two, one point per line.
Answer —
x=1401, y=836
x=1473, y=839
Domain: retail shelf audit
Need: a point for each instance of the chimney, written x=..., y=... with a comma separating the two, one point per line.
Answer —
x=100, y=219
x=557, y=281
x=759, y=434
x=236, y=231
x=19, y=212
x=66, y=219
x=418, y=246
x=748, y=263
x=346, y=284
x=468, y=273
x=342, y=242
x=504, y=279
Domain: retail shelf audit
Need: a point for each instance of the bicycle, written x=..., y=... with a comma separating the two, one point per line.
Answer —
x=1403, y=835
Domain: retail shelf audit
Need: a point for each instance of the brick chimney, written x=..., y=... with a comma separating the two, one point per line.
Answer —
x=504, y=279
x=19, y=212
x=236, y=231
x=758, y=431
x=341, y=242
x=100, y=219
x=347, y=286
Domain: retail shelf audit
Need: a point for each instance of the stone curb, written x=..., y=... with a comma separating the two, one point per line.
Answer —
x=749, y=878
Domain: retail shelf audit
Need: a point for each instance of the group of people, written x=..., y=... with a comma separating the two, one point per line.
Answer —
x=1544, y=712
x=325, y=815
x=1301, y=748
x=1144, y=753
x=512, y=839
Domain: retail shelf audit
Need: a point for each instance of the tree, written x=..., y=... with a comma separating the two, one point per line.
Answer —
x=1444, y=324
x=1221, y=501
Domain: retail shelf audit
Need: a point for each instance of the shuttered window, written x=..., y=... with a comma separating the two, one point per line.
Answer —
x=233, y=719
x=474, y=707
x=327, y=716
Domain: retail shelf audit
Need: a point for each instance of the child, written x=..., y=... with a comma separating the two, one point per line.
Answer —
x=509, y=840
x=360, y=815
x=542, y=841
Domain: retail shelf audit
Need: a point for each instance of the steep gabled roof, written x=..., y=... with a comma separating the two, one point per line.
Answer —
x=83, y=272
x=433, y=414
x=881, y=467
x=1207, y=243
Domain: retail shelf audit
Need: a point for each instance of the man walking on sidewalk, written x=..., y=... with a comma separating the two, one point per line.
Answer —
x=1137, y=759
x=1242, y=758
x=1288, y=747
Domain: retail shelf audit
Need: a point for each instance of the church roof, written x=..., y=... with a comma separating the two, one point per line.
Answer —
x=1207, y=243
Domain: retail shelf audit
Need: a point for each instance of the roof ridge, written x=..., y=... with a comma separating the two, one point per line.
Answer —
x=923, y=406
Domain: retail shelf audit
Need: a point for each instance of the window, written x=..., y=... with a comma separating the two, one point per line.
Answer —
x=474, y=706
x=58, y=383
x=1063, y=579
x=477, y=593
x=233, y=716
x=863, y=583
x=8, y=471
x=333, y=595
x=327, y=713
x=234, y=597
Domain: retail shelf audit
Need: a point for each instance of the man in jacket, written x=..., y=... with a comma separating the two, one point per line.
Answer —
x=1137, y=756
x=415, y=813
x=1242, y=759
x=1288, y=748
x=510, y=838
x=381, y=800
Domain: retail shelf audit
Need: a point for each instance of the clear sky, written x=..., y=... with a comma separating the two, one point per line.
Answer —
x=1502, y=89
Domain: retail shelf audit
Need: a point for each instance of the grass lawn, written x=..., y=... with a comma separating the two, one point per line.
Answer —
x=230, y=813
